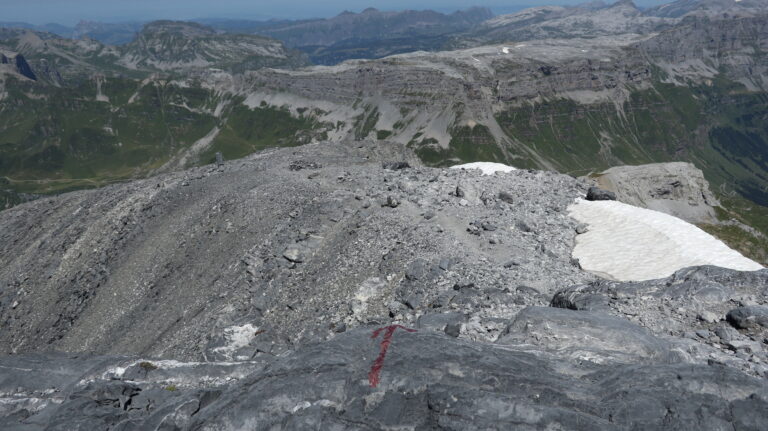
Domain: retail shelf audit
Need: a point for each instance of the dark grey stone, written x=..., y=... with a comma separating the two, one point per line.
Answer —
x=417, y=270
x=414, y=301
x=506, y=197
x=438, y=321
x=461, y=285
x=453, y=329
x=750, y=317
x=598, y=194
x=489, y=226
x=726, y=333
x=444, y=299
x=523, y=226
x=395, y=166
x=391, y=202
x=298, y=165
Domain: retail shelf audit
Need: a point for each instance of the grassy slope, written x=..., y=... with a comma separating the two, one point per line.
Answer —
x=468, y=144
x=249, y=130
x=721, y=128
x=56, y=139
x=749, y=213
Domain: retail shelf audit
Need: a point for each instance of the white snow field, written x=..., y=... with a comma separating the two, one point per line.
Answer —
x=628, y=243
x=488, y=168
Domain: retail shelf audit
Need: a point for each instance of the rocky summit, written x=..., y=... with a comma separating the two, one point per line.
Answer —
x=347, y=286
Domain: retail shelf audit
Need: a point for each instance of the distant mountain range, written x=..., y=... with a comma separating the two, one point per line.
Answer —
x=159, y=46
x=369, y=34
x=375, y=34
x=109, y=33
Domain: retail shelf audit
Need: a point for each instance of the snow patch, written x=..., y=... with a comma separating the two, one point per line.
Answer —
x=488, y=168
x=628, y=243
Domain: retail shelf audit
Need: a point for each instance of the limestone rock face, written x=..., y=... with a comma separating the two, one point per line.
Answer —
x=677, y=188
x=23, y=68
x=17, y=64
x=184, y=46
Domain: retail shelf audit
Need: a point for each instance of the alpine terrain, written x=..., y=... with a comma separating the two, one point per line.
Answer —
x=550, y=219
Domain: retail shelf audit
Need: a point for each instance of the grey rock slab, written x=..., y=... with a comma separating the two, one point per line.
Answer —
x=751, y=317
x=585, y=335
x=676, y=188
x=439, y=321
x=427, y=380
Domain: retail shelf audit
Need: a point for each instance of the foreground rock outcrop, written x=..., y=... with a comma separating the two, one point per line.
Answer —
x=428, y=381
x=677, y=188
x=344, y=286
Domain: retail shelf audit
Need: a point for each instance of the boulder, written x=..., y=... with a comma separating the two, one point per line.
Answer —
x=598, y=194
x=395, y=166
x=295, y=253
x=675, y=188
x=750, y=317
x=585, y=335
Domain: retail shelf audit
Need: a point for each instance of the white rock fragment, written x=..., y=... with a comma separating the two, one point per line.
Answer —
x=237, y=337
x=488, y=168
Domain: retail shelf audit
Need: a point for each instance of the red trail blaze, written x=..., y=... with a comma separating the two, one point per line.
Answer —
x=378, y=364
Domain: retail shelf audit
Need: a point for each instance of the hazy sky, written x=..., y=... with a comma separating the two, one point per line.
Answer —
x=71, y=11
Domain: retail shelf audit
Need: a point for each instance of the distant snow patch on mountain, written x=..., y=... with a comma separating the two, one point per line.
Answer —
x=628, y=243
x=488, y=168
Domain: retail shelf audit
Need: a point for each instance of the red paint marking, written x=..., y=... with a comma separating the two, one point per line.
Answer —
x=375, y=373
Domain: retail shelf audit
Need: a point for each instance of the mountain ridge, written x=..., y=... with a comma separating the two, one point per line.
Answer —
x=232, y=293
